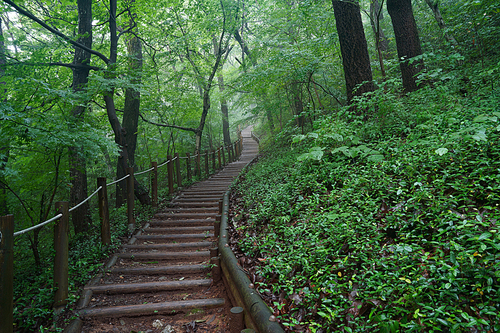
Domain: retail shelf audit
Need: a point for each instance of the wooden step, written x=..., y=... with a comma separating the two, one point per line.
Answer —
x=194, y=204
x=186, y=216
x=182, y=210
x=152, y=308
x=176, y=223
x=177, y=246
x=196, y=255
x=164, y=270
x=173, y=237
x=180, y=230
x=148, y=287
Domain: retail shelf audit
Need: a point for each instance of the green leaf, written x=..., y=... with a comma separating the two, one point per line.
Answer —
x=441, y=151
x=484, y=236
x=377, y=158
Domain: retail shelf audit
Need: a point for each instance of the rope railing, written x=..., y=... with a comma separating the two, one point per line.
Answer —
x=118, y=180
x=143, y=172
x=84, y=201
x=37, y=226
x=164, y=163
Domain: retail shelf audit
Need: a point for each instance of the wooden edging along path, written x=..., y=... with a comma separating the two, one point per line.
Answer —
x=167, y=268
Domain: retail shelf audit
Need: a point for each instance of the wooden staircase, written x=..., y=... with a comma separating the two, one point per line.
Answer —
x=161, y=280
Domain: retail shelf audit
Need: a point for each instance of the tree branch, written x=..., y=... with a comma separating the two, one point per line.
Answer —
x=167, y=125
x=55, y=31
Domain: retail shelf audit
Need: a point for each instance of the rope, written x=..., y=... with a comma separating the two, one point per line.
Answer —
x=117, y=181
x=37, y=226
x=174, y=158
x=140, y=173
x=159, y=166
x=84, y=201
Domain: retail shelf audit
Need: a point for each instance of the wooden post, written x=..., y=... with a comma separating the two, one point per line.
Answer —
x=236, y=149
x=241, y=144
x=188, y=167
x=102, y=198
x=213, y=161
x=217, y=225
x=236, y=325
x=198, y=164
x=170, y=175
x=223, y=155
x=178, y=170
x=130, y=200
x=215, y=262
x=7, y=274
x=207, y=171
x=218, y=156
x=61, y=230
x=154, y=184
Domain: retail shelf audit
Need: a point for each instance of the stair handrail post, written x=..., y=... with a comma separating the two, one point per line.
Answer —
x=170, y=175
x=198, y=165
x=178, y=170
x=102, y=199
x=213, y=161
x=207, y=171
x=130, y=199
x=188, y=167
x=219, y=158
x=223, y=156
x=154, y=184
x=61, y=241
x=7, y=275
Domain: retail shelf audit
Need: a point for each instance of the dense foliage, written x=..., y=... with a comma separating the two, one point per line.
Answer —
x=389, y=224
x=420, y=166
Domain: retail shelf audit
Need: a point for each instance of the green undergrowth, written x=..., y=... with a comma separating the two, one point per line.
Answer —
x=388, y=224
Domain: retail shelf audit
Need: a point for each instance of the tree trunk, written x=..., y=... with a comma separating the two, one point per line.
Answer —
x=225, y=112
x=433, y=5
x=77, y=164
x=407, y=41
x=353, y=46
x=4, y=144
x=376, y=17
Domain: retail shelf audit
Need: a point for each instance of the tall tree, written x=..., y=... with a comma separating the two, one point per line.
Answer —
x=77, y=163
x=353, y=46
x=131, y=111
x=4, y=144
x=381, y=42
x=407, y=41
x=434, y=6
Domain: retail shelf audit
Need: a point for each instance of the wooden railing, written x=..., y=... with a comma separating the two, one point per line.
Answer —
x=61, y=226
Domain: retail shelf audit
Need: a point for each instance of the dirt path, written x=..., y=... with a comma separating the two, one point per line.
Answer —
x=161, y=281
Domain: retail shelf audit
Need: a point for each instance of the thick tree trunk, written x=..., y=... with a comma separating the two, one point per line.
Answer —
x=407, y=41
x=353, y=46
x=77, y=164
x=433, y=5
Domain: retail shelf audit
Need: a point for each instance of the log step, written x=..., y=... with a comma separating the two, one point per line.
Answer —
x=152, y=308
x=176, y=246
x=171, y=210
x=165, y=270
x=174, y=236
x=180, y=230
x=176, y=223
x=194, y=204
x=178, y=216
x=165, y=255
x=148, y=287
